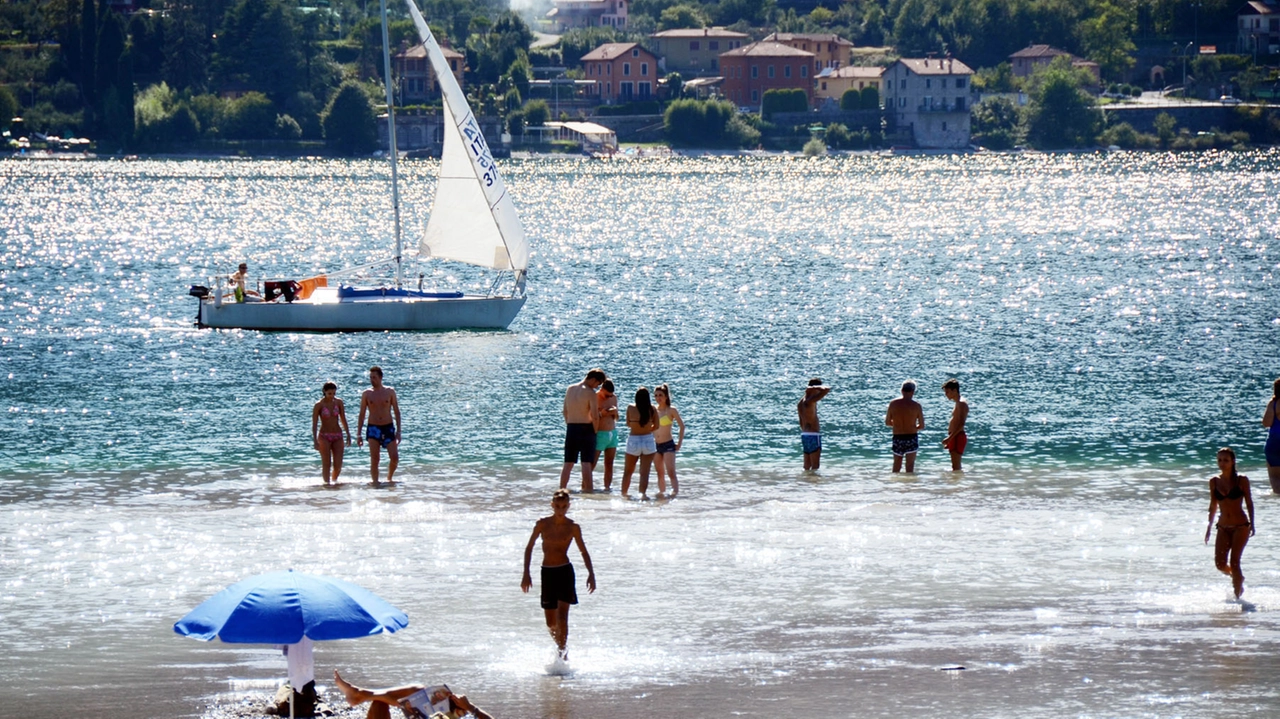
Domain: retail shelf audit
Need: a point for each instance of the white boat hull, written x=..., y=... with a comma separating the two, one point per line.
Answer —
x=378, y=315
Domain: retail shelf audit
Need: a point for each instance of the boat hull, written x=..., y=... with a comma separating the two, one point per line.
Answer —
x=393, y=315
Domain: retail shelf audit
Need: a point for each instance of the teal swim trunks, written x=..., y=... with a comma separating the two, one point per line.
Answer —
x=607, y=439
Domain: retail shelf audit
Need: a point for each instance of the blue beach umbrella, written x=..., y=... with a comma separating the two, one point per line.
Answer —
x=283, y=607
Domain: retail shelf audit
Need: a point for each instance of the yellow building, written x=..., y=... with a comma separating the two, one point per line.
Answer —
x=834, y=83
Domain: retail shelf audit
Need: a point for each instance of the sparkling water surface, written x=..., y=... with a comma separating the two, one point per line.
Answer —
x=1113, y=320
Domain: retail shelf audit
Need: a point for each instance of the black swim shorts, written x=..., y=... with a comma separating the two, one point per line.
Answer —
x=558, y=585
x=580, y=443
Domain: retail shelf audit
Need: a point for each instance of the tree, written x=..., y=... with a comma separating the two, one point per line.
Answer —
x=1106, y=37
x=994, y=123
x=249, y=117
x=1165, y=125
x=681, y=16
x=520, y=75
x=699, y=123
x=8, y=107
x=778, y=100
x=675, y=85
x=349, y=125
x=870, y=98
x=851, y=100
x=88, y=49
x=186, y=61
x=1061, y=114
x=536, y=113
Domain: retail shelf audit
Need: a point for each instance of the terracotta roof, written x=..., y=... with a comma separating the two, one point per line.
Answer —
x=1039, y=51
x=420, y=51
x=1258, y=8
x=810, y=37
x=766, y=49
x=613, y=50
x=937, y=66
x=692, y=32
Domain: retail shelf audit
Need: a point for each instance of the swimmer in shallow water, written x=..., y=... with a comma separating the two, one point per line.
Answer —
x=559, y=590
x=328, y=428
x=1227, y=492
x=666, y=445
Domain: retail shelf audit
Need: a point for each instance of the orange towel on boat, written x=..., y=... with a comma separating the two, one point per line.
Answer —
x=309, y=285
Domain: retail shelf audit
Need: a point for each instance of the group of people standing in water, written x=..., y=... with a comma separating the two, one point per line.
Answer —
x=656, y=434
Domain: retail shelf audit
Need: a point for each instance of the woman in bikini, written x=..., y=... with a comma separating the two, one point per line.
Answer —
x=328, y=427
x=1273, y=438
x=667, y=448
x=642, y=420
x=1227, y=492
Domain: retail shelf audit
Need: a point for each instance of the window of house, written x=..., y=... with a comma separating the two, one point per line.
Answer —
x=644, y=91
x=693, y=45
x=786, y=71
x=626, y=69
x=755, y=71
x=715, y=64
x=959, y=104
x=903, y=83
x=713, y=44
x=635, y=52
x=804, y=71
x=944, y=126
x=902, y=102
x=960, y=81
x=771, y=71
x=644, y=69
x=944, y=83
x=608, y=69
x=824, y=85
x=755, y=96
x=625, y=90
x=928, y=83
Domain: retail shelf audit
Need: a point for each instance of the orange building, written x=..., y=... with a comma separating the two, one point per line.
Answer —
x=752, y=69
x=415, y=79
x=829, y=50
x=621, y=72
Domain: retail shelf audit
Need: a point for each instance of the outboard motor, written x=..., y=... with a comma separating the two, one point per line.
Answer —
x=198, y=291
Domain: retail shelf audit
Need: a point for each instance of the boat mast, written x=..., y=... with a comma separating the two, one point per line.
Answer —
x=391, y=136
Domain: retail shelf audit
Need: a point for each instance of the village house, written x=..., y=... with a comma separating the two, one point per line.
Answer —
x=568, y=14
x=620, y=72
x=415, y=80
x=930, y=99
x=834, y=83
x=751, y=70
x=695, y=51
x=1026, y=60
x=828, y=50
x=1258, y=28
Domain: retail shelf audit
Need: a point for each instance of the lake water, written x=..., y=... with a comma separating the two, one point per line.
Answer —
x=1113, y=320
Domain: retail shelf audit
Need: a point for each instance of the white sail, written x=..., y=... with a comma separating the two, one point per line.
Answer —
x=473, y=219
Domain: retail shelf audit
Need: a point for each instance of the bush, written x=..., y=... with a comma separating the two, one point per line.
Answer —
x=8, y=107
x=870, y=98
x=349, y=125
x=851, y=100
x=794, y=100
x=838, y=137
x=536, y=113
x=515, y=123
x=1121, y=135
x=699, y=123
x=250, y=117
x=287, y=128
x=815, y=147
x=737, y=133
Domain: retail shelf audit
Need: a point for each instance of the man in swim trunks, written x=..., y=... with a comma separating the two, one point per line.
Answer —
x=906, y=417
x=559, y=589
x=956, y=439
x=810, y=436
x=581, y=415
x=381, y=405
x=606, y=430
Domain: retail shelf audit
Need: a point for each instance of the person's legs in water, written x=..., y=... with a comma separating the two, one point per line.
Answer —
x=375, y=456
x=646, y=463
x=1228, y=548
x=393, y=460
x=324, y=446
x=336, y=449
x=628, y=467
x=558, y=627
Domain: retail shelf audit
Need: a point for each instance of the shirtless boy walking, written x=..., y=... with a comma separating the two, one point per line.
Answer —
x=810, y=436
x=956, y=439
x=582, y=419
x=380, y=404
x=906, y=416
x=559, y=589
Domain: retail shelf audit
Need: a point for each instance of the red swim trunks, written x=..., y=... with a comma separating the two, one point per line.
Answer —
x=957, y=443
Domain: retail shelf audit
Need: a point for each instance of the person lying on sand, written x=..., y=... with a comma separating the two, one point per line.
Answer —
x=381, y=700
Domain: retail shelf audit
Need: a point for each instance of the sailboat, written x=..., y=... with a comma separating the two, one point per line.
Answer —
x=472, y=220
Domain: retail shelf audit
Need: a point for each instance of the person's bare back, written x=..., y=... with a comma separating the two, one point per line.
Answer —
x=580, y=404
x=905, y=416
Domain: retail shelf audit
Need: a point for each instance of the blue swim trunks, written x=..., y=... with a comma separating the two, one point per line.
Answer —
x=383, y=434
x=812, y=441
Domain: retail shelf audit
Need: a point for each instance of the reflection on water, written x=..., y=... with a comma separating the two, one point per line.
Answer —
x=1112, y=319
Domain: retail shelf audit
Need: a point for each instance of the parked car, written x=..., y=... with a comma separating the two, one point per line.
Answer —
x=1229, y=100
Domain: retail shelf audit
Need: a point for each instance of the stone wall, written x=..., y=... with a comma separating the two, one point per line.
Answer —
x=1196, y=118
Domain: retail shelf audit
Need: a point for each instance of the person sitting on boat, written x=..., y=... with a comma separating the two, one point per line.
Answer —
x=237, y=284
x=381, y=700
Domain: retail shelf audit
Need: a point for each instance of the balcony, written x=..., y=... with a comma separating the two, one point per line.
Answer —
x=958, y=105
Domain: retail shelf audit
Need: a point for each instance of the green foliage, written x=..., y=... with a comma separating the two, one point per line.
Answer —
x=705, y=123
x=994, y=124
x=994, y=79
x=870, y=98
x=1260, y=122
x=682, y=16
x=250, y=117
x=814, y=147
x=350, y=127
x=1060, y=113
x=520, y=74
x=305, y=110
x=645, y=107
x=536, y=113
x=837, y=136
x=675, y=85
x=8, y=107
x=755, y=12
x=515, y=123
x=1107, y=35
x=851, y=100
x=1124, y=136
x=186, y=51
x=1165, y=124
x=287, y=128
x=259, y=47
x=778, y=100
x=209, y=111
x=492, y=53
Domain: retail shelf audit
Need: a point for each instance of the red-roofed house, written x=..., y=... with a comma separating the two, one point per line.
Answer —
x=1026, y=60
x=829, y=50
x=621, y=72
x=416, y=81
x=930, y=97
x=1258, y=27
x=752, y=69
